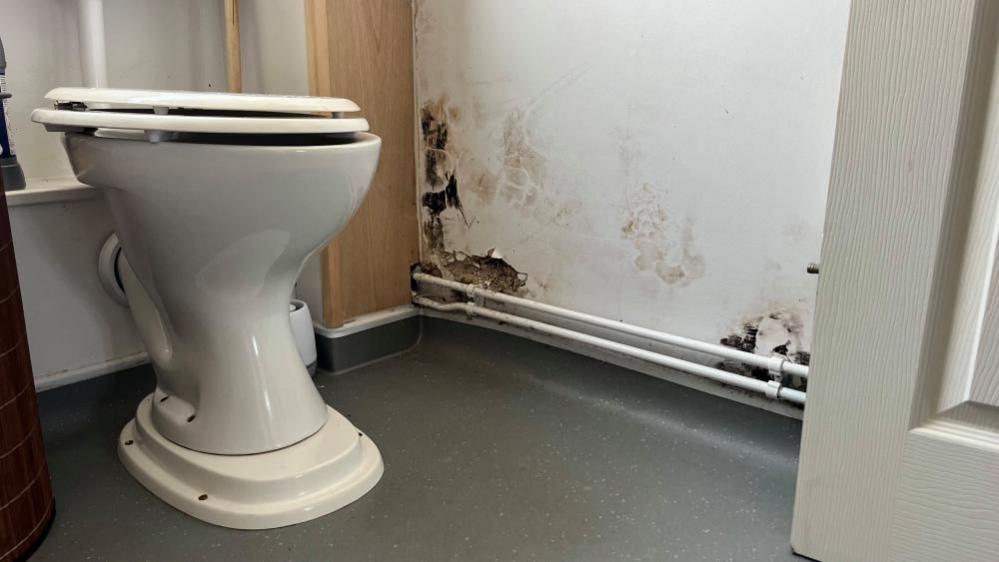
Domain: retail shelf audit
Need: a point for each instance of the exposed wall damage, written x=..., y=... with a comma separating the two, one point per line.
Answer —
x=489, y=272
x=780, y=332
x=665, y=247
x=646, y=197
x=441, y=194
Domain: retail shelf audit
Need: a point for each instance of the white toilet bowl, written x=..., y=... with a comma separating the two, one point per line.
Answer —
x=218, y=199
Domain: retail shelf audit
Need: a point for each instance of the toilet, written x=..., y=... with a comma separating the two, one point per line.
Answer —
x=218, y=199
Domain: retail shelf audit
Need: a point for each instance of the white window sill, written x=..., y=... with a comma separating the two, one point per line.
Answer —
x=51, y=190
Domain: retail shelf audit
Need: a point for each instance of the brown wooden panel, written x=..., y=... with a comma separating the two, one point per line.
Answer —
x=26, y=518
x=11, y=320
x=15, y=365
x=25, y=490
x=362, y=50
x=8, y=270
x=18, y=418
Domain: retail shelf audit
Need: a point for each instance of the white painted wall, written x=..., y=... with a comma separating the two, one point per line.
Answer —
x=170, y=44
x=73, y=327
x=660, y=162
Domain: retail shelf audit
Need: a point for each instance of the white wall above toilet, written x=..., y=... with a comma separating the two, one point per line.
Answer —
x=75, y=329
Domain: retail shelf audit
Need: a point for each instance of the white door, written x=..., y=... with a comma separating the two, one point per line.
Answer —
x=900, y=451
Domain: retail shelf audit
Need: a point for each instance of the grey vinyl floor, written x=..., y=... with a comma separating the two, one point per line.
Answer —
x=495, y=448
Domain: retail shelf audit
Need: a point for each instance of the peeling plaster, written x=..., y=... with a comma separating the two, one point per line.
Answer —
x=441, y=193
x=490, y=271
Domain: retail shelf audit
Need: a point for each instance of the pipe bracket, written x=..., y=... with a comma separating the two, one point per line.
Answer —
x=773, y=389
x=775, y=366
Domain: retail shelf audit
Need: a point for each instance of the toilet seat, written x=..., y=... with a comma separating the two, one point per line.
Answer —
x=156, y=111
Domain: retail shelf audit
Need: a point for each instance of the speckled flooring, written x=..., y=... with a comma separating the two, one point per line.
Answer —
x=495, y=448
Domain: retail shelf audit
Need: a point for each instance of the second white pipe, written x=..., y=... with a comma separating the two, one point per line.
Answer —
x=776, y=363
x=772, y=390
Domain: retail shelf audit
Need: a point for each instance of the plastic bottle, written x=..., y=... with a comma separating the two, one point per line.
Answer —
x=11, y=176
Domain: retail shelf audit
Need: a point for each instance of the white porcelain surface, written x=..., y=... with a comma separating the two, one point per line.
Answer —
x=214, y=237
x=323, y=473
x=64, y=118
x=202, y=100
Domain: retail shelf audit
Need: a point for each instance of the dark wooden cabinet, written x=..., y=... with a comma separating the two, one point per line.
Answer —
x=26, y=505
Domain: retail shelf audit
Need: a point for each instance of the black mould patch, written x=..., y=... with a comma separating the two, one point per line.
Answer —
x=801, y=358
x=433, y=125
x=441, y=183
x=437, y=201
x=441, y=192
x=433, y=233
x=747, y=340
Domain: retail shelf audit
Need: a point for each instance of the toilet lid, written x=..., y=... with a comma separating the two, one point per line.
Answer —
x=197, y=112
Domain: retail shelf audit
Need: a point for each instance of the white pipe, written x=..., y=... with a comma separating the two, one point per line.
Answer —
x=771, y=389
x=775, y=364
x=93, y=54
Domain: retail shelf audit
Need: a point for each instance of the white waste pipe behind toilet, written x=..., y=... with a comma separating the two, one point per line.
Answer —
x=93, y=52
x=300, y=317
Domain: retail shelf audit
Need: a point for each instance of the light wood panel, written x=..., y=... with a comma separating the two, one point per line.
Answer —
x=233, y=62
x=362, y=50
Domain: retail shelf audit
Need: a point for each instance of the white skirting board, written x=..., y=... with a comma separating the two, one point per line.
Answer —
x=402, y=313
x=357, y=325
x=69, y=376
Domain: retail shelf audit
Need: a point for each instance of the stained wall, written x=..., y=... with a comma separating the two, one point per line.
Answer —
x=664, y=163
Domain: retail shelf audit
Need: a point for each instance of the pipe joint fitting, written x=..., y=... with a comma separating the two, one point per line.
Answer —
x=775, y=366
x=773, y=389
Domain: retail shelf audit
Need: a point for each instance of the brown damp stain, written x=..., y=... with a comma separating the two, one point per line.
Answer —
x=566, y=211
x=485, y=186
x=518, y=179
x=522, y=175
x=433, y=235
x=663, y=249
x=690, y=265
x=423, y=21
x=518, y=151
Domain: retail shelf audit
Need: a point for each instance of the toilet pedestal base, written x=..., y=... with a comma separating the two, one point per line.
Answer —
x=316, y=476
